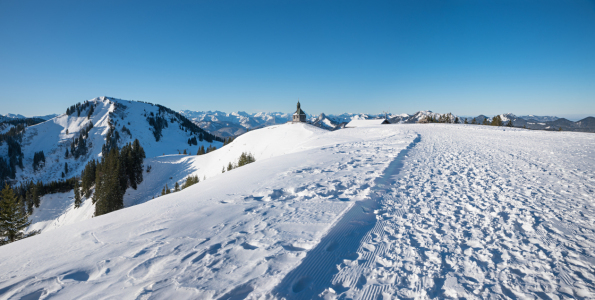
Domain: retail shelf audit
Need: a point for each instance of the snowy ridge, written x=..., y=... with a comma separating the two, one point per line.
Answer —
x=420, y=117
x=55, y=136
x=9, y=117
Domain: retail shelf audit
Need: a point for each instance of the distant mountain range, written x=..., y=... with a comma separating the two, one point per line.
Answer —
x=236, y=123
x=544, y=122
x=9, y=117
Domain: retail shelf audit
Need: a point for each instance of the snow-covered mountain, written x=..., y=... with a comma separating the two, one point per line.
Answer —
x=9, y=117
x=235, y=123
x=130, y=119
x=544, y=123
x=85, y=128
x=539, y=118
x=423, y=117
x=333, y=122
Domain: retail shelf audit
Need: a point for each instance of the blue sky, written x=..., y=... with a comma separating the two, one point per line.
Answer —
x=465, y=57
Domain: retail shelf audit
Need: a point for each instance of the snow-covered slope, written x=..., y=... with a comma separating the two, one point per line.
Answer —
x=427, y=211
x=255, y=222
x=54, y=136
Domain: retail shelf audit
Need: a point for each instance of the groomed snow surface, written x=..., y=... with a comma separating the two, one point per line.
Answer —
x=391, y=211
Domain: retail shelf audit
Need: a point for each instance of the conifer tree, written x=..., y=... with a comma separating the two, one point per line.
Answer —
x=496, y=121
x=509, y=124
x=109, y=195
x=77, y=194
x=167, y=191
x=245, y=158
x=65, y=168
x=229, y=167
x=474, y=121
x=163, y=191
x=177, y=187
x=12, y=219
x=66, y=155
x=138, y=156
x=35, y=195
x=29, y=200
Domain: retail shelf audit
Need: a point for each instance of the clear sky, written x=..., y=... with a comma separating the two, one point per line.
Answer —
x=465, y=57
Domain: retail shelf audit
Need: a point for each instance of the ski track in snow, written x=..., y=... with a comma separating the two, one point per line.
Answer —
x=492, y=218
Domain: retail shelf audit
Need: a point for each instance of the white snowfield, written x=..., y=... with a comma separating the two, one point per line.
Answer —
x=426, y=211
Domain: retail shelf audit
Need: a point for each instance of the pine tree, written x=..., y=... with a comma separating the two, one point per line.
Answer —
x=509, y=124
x=138, y=156
x=474, y=121
x=229, y=167
x=77, y=194
x=163, y=191
x=496, y=121
x=29, y=200
x=190, y=180
x=167, y=191
x=109, y=194
x=35, y=194
x=177, y=187
x=223, y=169
x=245, y=158
x=185, y=153
x=65, y=168
x=12, y=219
x=466, y=121
x=66, y=155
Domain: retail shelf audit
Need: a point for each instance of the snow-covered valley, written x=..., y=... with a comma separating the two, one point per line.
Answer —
x=425, y=211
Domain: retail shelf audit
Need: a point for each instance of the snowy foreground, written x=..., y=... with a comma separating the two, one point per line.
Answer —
x=392, y=211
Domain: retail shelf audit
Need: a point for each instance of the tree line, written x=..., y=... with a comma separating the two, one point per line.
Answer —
x=111, y=176
x=80, y=107
x=496, y=121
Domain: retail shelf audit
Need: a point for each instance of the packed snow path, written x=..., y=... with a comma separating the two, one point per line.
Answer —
x=475, y=213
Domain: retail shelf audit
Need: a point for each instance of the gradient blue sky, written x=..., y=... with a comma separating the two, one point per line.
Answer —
x=465, y=57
